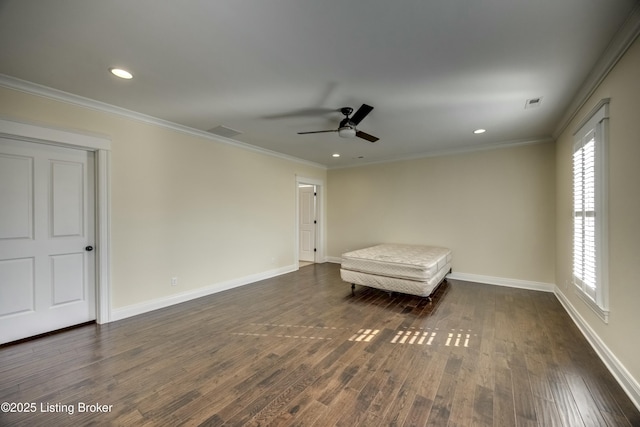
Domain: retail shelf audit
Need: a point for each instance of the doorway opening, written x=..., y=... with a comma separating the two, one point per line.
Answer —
x=308, y=222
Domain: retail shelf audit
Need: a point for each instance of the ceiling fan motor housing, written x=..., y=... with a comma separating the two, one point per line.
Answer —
x=346, y=111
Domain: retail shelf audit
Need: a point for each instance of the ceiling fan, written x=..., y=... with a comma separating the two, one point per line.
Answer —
x=347, y=127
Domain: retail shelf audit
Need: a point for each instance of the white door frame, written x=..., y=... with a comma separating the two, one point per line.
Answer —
x=320, y=217
x=101, y=146
x=307, y=226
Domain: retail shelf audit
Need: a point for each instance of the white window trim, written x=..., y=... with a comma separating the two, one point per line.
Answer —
x=597, y=121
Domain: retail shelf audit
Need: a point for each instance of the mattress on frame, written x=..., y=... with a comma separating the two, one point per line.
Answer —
x=412, y=262
x=395, y=284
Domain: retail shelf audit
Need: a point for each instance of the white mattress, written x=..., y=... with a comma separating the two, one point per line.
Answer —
x=394, y=284
x=411, y=262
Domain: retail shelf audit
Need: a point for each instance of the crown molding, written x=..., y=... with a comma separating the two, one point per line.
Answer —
x=620, y=43
x=69, y=98
x=452, y=151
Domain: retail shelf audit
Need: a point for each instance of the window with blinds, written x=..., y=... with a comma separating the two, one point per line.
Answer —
x=584, y=215
x=589, y=211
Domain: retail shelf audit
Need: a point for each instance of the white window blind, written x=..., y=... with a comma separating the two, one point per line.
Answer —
x=584, y=230
x=590, y=248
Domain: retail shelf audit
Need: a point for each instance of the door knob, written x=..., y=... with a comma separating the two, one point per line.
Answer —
x=88, y=248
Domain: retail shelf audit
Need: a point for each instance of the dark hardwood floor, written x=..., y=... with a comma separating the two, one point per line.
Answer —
x=299, y=349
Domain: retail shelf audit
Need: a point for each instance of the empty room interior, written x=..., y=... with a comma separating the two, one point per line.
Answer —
x=229, y=213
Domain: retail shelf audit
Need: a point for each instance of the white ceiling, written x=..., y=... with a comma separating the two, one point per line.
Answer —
x=434, y=70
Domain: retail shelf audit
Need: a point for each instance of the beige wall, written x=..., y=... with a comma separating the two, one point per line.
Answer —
x=622, y=85
x=494, y=208
x=182, y=205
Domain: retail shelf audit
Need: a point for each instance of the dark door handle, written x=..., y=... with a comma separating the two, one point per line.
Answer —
x=88, y=248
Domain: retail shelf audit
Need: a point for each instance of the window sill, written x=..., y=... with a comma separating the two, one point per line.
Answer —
x=599, y=311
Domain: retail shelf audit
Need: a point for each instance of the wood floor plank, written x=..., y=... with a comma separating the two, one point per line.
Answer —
x=523, y=398
x=269, y=400
x=301, y=415
x=547, y=413
x=396, y=370
x=503, y=402
x=401, y=403
x=441, y=408
x=419, y=411
x=300, y=350
x=464, y=399
x=563, y=398
x=482, y=407
x=589, y=412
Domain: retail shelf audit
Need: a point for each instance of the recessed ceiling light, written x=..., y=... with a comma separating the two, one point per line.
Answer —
x=479, y=131
x=335, y=155
x=123, y=74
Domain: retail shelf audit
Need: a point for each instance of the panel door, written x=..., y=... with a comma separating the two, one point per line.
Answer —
x=307, y=217
x=47, y=273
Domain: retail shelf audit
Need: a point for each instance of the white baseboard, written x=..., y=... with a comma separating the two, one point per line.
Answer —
x=617, y=369
x=158, y=303
x=488, y=280
x=502, y=281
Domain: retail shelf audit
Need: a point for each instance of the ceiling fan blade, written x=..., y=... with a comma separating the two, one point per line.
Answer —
x=361, y=114
x=318, y=131
x=304, y=112
x=366, y=136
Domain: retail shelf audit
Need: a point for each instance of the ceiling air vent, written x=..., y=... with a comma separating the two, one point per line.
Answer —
x=532, y=103
x=224, y=131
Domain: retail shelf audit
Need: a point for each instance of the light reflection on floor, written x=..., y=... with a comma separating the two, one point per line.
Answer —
x=411, y=336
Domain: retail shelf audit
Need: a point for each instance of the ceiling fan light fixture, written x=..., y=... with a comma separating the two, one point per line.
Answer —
x=347, y=132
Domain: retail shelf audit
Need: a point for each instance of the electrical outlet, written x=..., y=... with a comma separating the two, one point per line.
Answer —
x=174, y=281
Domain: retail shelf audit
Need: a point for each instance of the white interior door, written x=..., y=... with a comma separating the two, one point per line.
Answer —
x=47, y=267
x=307, y=222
